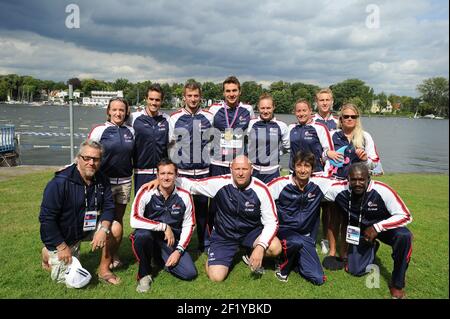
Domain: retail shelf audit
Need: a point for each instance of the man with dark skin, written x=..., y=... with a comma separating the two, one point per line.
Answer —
x=375, y=212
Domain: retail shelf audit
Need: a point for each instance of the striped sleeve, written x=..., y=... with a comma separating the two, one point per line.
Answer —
x=335, y=189
x=269, y=217
x=277, y=185
x=97, y=132
x=400, y=215
x=324, y=138
x=137, y=219
x=206, y=186
x=371, y=151
x=188, y=225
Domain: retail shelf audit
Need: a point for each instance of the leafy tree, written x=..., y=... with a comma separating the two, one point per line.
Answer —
x=434, y=94
x=351, y=88
x=251, y=92
x=212, y=91
x=76, y=83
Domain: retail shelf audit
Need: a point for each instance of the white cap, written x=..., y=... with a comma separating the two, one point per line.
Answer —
x=76, y=275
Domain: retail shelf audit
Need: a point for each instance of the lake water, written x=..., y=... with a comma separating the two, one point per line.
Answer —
x=404, y=145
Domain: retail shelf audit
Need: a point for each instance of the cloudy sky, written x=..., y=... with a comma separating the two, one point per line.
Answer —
x=391, y=45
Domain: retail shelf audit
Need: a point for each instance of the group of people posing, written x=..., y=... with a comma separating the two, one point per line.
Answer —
x=218, y=171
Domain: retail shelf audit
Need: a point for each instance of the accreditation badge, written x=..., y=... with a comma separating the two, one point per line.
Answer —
x=353, y=234
x=90, y=220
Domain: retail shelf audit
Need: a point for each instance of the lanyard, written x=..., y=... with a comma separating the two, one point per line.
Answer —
x=360, y=209
x=95, y=197
x=234, y=118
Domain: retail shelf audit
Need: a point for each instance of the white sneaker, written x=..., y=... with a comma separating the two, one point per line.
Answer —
x=246, y=260
x=280, y=277
x=325, y=245
x=144, y=284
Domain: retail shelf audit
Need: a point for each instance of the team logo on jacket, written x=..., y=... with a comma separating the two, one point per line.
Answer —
x=273, y=131
x=308, y=135
x=175, y=209
x=311, y=196
x=161, y=126
x=372, y=206
x=249, y=207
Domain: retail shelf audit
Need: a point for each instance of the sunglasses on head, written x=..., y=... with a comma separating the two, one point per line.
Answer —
x=353, y=117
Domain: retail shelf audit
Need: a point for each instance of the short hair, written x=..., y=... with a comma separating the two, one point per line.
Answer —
x=360, y=167
x=303, y=156
x=233, y=80
x=166, y=161
x=192, y=85
x=90, y=143
x=266, y=96
x=124, y=101
x=157, y=88
x=302, y=100
x=324, y=90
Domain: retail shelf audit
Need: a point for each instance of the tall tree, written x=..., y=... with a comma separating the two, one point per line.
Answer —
x=250, y=92
x=434, y=94
x=76, y=83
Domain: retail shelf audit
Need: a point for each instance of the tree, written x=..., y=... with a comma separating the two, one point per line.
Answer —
x=121, y=85
x=351, y=88
x=76, y=83
x=212, y=91
x=434, y=94
x=251, y=92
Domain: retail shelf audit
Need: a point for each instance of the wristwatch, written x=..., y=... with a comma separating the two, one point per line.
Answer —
x=180, y=250
x=106, y=230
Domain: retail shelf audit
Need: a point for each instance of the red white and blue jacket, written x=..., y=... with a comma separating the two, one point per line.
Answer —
x=310, y=137
x=150, y=140
x=330, y=121
x=382, y=208
x=239, y=211
x=238, y=120
x=189, y=137
x=299, y=210
x=118, y=146
x=340, y=140
x=267, y=140
x=64, y=205
x=152, y=211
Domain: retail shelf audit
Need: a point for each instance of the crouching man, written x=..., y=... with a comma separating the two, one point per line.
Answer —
x=164, y=221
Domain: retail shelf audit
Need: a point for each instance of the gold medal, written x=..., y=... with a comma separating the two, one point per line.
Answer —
x=228, y=134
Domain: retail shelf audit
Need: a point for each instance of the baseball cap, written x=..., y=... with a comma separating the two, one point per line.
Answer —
x=76, y=275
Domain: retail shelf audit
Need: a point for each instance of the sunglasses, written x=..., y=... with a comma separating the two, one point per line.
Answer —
x=89, y=158
x=353, y=117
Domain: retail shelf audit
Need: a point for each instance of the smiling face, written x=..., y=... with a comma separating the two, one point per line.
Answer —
x=154, y=101
x=166, y=176
x=349, y=119
x=303, y=112
x=266, y=109
x=231, y=93
x=241, y=170
x=116, y=112
x=324, y=102
x=303, y=171
x=88, y=162
x=359, y=180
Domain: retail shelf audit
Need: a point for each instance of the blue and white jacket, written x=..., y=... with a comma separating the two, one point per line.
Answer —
x=330, y=121
x=310, y=137
x=238, y=211
x=267, y=140
x=64, y=204
x=189, y=137
x=299, y=210
x=152, y=211
x=223, y=156
x=382, y=208
x=118, y=146
x=340, y=140
x=150, y=141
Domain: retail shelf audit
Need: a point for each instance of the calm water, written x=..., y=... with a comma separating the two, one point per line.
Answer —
x=404, y=145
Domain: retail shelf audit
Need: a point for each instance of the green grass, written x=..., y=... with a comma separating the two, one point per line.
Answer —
x=22, y=277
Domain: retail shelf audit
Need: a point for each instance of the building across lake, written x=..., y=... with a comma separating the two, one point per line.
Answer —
x=101, y=98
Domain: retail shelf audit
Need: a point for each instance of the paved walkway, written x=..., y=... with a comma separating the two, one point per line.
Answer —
x=11, y=172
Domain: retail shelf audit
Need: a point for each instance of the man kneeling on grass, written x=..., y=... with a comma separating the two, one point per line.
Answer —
x=246, y=216
x=77, y=205
x=375, y=212
x=298, y=197
x=163, y=219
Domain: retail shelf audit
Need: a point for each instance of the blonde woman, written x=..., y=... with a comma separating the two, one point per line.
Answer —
x=357, y=146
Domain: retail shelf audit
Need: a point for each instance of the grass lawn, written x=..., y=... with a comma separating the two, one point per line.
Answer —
x=21, y=275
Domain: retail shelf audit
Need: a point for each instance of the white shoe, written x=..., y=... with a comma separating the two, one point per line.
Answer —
x=325, y=245
x=144, y=284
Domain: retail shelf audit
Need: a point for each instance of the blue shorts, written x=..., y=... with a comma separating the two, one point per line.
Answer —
x=222, y=250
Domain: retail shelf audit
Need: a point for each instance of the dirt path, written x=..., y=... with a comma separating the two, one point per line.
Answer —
x=11, y=172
